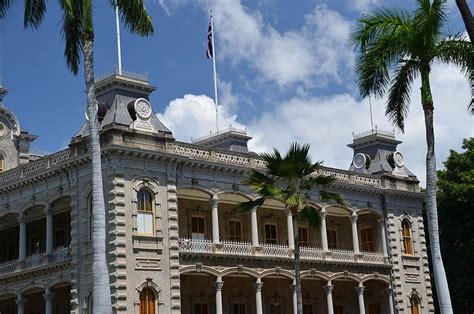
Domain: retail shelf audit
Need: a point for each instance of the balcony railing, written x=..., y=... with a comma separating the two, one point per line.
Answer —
x=36, y=260
x=204, y=246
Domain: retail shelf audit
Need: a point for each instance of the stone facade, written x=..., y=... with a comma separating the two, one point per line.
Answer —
x=175, y=243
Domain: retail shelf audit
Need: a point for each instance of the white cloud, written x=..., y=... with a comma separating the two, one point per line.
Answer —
x=312, y=55
x=327, y=123
x=363, y=5
x=194, y=116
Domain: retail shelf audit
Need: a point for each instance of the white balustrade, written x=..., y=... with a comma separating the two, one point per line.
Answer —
x=195, y=245
x=276, y=250
x=35, y=260
x=8, y=267
x=61, y=254
x=235, y=248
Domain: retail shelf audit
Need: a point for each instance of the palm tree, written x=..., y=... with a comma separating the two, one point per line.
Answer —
x=467, y=18
x=78, y=33
x=290, y=179
x=396, y=47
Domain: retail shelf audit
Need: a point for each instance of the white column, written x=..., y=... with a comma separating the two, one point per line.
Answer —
x=355, y=234
x=291, y=236
x=20, y=302
x=360, y=294
x=215, y=219
x=389, y=291
x=324, y=233
x=49, y=231
x=22, y=241
x=383, y=237
x=295, y=298
x=253, y=216
x=258, y=296
x=218, y=285
x=328, y=288
x=48, y=300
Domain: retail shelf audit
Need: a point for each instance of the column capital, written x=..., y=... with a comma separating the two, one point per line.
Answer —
x=214, y=200
x=254, y=209
x=381, y=221
x=219, y=284
x=20, y=300
x=258, y=285
x=354, y=218
x=293, y=288
x=323, y=215
x=48, y=210
x=48, y=296
x=21, y=217
x=389, y=290
x=328, y=288
x=360, y=289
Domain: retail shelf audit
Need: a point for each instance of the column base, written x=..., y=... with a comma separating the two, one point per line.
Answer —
x=357, y=256
x=256, y=249
x=217, y=246
x=20, y=265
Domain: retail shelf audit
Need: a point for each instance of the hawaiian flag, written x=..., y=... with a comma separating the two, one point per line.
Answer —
x=209, y=41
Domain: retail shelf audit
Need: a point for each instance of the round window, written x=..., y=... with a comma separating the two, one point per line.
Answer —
x=3, y=130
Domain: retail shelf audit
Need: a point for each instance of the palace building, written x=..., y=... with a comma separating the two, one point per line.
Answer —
x=175, y=243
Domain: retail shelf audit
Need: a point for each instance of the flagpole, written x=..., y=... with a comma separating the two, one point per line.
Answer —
x=214, y=70
x=119, y=52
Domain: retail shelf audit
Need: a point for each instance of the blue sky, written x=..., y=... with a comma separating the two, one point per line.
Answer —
x=284, y=68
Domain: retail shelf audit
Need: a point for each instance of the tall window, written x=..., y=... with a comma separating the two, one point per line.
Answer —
x=308, y=309
x=374, y=308
x=407, y=241
x=238, y=308
x=303, y=236
x=201, y=308
x=145, y=214
x=332, y=238
x=270, y=234
x=147, y=301
x=235, y=230
x=2, y=163
x=415, y=305
x=276, y=308
x=338, y=309
x=366, y=236
x=197, y=228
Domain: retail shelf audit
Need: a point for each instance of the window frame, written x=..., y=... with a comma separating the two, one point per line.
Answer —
x=415, y=304
x=407, y=238
x=236, y=237
x=368, y=242
x=198, y=217
x=149, y=291
x=201, y=303
x=143, y=213
x=306, y=241
x=336, y=243
x=270, y=240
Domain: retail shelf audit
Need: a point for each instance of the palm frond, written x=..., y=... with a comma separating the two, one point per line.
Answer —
x=429, y=19
x=309, y=182
x=310, y=215
x=379, y=23
x=135, y=16
x=72, y=32
x=262, y=184
x=273, y=161
x=399, y=94
x=249, y=205
x=4, y=6
x=330, y=196
x=34, y=13
x=458, y=51
x=372, y=69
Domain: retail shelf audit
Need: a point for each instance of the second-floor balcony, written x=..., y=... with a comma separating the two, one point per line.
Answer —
x=278, y=251
x=35, y=260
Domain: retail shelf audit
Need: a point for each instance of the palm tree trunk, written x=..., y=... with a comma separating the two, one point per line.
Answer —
x=467, y=17
x=441, y=282
x=100, y=272
x=299, y=295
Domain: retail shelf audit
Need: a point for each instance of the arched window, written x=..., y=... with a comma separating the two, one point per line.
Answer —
x=407, y=241
x=147, y=301
x=2, y=163
x=415, y=305
x=145, y=211
x=89, y=216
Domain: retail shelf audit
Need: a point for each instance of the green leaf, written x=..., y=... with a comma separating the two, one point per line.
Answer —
x=33, y=13
x=249, y=205
x=310, y=215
